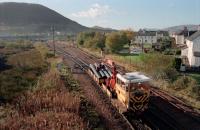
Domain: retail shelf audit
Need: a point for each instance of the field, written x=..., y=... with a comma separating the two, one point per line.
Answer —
x=36, y=95
x=126, y=58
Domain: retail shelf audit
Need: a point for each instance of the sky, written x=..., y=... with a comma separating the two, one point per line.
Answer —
x=123, y=14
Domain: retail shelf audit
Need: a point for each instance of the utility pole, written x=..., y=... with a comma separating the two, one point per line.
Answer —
x=54, y=46
x=142, y=45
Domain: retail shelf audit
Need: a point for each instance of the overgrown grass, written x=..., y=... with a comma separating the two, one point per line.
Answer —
x=26, y=66
x=47, y=106
x=195, y=76
x=127, y=58
x=48, y=103
x=20, y=44
x=87, y=110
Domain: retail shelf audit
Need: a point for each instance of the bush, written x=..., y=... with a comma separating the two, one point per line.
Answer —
x=94, y=40
x=20, y=44
x=50, y=55
x=159, y=66
x=196, y=91
x=48, y=106
x=45, y=121
x=115, y=41
x=26, y=67
x=28, y=60
x=171, y=74
x=184, y=82
x=13, y=82
x=178, y=52
x=177, y=63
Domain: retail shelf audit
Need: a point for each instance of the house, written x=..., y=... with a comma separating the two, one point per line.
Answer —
x=149, y=37
x=191, y=52
x=181, y=36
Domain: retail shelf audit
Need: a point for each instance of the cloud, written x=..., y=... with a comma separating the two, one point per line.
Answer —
x=94, y=11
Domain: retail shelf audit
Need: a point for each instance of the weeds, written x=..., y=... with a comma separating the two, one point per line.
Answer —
x=47, y=106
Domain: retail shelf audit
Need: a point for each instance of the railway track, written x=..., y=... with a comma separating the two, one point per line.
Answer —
x=169, y=113
x=165, y=112
x=177, y=115
x=122, y=121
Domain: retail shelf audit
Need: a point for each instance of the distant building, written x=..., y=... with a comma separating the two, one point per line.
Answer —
x=150, y=37
x=191, y=51
x=181, y=36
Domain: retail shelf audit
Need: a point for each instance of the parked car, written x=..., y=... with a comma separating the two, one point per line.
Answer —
x=136, y=51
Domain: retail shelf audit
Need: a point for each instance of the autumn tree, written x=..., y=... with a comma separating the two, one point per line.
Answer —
x=84, y=36
x=94, y=40
x=115, y=41
x=130, y=35
x=99, y=40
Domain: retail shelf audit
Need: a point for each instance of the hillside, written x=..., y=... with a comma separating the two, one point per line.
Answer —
x=103, y=29
x=31, y=18
x=181, y=27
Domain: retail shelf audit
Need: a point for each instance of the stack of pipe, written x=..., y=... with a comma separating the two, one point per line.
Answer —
x=106, y=73
x=103, y=72
x=109, y=72
x=95, y=71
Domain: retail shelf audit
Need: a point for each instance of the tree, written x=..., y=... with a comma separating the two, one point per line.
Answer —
x=84, y=36
x=99, y=40
x=94, y=40
x=130, y=35
x=80, y=39
x=115, y=41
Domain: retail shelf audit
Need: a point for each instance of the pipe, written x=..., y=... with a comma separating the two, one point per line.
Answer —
x=106, y=73
x=95, y=71
x=109, y=72
x=102, y=74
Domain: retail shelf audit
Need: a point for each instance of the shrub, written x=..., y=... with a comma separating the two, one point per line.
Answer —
x=20, y=44
x=184, y=82
x=45, y=121
x=26, y=67
x=171, y=74
x=177, y=63
x=115, y=41
x=50, y=80
x=178, y=52
x=42, y=49
x=196, y=91
x=28, y=60
x=159, y=66
x=48, y=106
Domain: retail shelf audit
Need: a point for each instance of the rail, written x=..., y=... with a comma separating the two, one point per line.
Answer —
x=156, y=120
x=84, y=66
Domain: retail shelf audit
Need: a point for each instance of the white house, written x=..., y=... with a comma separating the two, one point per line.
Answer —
x=192, y=50
x=179, y=39
x=181, y=36
x=149, y=37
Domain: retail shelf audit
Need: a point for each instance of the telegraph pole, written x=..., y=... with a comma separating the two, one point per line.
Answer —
x=142, y=45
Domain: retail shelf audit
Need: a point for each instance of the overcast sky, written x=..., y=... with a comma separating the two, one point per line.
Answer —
x=121, y=14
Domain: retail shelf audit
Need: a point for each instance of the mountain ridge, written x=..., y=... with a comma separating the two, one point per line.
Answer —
x=178, y=28
x=32, y=18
